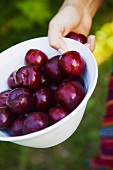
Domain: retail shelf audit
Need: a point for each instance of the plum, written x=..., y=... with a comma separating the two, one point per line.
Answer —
x=16, y=126
x=35, y=121
x=57, y=113
x=20, y=101
x=69, y=94
x=72, y=63
x=52, y=69
x=3, y=97
x=28, y=77
x=35, y=57
x=6, y=117
x=43, y=99
x=78, y=37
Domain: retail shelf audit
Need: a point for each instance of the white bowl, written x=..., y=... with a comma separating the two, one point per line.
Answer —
x=13, y=58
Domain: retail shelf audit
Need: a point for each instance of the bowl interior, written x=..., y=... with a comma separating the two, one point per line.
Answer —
x=13, y=58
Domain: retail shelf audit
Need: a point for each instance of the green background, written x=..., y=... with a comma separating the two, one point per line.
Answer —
x=21, y=20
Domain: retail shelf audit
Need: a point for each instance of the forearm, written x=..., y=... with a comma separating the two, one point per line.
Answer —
x=90, y=6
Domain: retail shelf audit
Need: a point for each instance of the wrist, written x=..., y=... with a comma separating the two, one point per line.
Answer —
x=74, y=3
x=91, y=6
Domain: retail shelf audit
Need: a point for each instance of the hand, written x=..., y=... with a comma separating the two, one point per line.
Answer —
x=70, y=18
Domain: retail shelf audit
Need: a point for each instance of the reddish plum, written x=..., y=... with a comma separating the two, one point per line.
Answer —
x=57, y=113
x=35, y=57
x=35, y=121
x=69, y=94
x=28, y=77
x=6, y=117
x=20, y=101
x=78, y=37
x=72, y=63
x=43, y=99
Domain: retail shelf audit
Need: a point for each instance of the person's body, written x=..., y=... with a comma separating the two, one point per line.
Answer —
x=77, y=16
x=104, y=159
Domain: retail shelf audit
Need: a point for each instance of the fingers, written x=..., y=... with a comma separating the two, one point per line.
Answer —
x=91, y=42
x=65, y=21
x=57, y=42
x=57, y=31
x=61, y=51
x=56, y=38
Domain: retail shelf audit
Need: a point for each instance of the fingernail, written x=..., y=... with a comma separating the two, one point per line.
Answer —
x=93, y=43
x=61, y=51
x=92, y=39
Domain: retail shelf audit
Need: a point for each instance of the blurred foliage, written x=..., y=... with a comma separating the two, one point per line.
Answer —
x=31, y=13
x=25, y=19
x=104, y=42
x=102, y=27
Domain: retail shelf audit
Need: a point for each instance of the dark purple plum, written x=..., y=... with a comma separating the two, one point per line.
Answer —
x=28, y=77
x=20, y=101
x=43, y=99
x=11, y=81
x=52, y=69
x=16, y=126
x=53, y=87
x=69, y=94
x=34, y=122
x=6, y=117
x=3, y=97
x=78, y=79
x=44, y=79
x=57, y=113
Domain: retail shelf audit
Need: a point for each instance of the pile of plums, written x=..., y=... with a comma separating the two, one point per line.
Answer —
x=42, y=92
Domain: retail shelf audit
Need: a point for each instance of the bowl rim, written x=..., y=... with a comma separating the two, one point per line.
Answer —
x=56, y=125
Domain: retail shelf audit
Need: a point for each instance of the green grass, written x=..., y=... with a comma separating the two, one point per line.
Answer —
x=75, y=151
